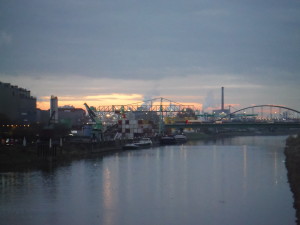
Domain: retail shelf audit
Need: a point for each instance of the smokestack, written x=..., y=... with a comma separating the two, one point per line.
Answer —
x=222, y=99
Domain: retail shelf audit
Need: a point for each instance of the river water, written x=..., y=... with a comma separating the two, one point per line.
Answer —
x=232, y=181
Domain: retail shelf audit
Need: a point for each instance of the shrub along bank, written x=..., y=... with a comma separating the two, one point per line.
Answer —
x=292, y=153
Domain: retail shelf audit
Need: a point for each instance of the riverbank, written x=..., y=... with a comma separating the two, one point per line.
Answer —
x=292, y=153
x=20, y=158
x=17, y=158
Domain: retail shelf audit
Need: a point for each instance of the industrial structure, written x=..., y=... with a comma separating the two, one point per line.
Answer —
x=222, y=111
x=16, y=104
x=154, y=116
x=96, y=127
x=72, y=117
x=143, y=118
x=53, y=109
x=68, y=115
x=148, y=118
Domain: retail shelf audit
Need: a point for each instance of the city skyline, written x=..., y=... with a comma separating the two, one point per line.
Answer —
x=120, y=52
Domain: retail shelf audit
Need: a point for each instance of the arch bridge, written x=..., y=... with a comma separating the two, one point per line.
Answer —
x=269, y=117
x=265, y=112
x=260, y=115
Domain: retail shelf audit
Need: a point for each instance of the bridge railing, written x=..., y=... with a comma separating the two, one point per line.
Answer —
x=143, y=108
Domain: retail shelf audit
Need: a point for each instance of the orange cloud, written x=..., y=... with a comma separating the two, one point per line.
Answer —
x=78, y=101
x=108, y=99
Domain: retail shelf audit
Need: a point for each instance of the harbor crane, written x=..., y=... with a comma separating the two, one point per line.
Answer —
x=97, y=129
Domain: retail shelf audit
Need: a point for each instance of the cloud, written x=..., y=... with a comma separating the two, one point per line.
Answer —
x=141, y=40
x=89, y=48
x=209, y=101
x=213, y=12
x=191, y=89
x=5, y=38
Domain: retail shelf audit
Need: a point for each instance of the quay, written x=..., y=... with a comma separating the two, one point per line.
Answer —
x=38, y=155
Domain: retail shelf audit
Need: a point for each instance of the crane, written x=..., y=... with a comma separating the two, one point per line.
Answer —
x=97, y=131
x=50, y=121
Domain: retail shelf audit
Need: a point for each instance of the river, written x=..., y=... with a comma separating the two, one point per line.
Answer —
x=231, y=181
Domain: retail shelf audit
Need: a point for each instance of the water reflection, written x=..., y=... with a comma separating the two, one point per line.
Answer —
x=109, y=203
x=245, y=168
x=230, y=181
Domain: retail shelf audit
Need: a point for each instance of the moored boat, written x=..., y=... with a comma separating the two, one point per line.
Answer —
x=144, y=142
x=180, y=138
x=167, y=140
x=172, y=140
x=131, y=146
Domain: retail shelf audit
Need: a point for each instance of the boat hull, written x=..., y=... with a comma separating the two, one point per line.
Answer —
x=167, y=141
x=130, y=147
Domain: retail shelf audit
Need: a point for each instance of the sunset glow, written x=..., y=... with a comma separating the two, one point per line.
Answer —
x=108, y=99
x=96, y=100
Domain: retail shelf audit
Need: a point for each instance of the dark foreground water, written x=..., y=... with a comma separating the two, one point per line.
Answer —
x=234, y=181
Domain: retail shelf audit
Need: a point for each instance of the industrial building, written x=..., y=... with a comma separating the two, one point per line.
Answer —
x=16, y=104
x=71, y=116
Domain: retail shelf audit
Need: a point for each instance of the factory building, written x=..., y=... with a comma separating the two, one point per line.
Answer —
x=16, y=104
x=68, y=115
x=71, y=116
x=42, y=116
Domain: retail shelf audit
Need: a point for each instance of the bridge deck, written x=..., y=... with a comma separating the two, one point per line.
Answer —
x=234, y=125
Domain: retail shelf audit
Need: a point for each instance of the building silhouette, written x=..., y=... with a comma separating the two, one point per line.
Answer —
x=16, y=104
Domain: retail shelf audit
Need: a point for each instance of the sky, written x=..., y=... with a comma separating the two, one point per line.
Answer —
x=108, y=52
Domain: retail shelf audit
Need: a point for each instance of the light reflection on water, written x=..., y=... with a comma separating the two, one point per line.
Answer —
x=230, y=181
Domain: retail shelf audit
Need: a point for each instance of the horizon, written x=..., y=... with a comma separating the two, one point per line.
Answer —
x=210, y=102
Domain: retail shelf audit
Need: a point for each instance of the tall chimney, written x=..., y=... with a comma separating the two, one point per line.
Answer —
x=222, y=99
